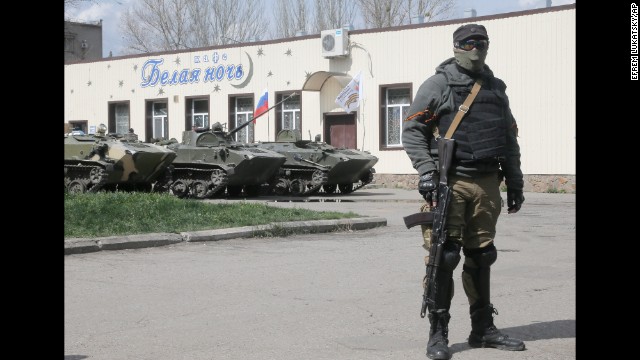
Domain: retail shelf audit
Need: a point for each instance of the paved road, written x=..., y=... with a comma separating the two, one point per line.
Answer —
x=346, y=295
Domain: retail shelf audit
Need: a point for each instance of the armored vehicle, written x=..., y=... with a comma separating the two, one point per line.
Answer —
x=109, y=161
x=209, y=161
x=315, y=165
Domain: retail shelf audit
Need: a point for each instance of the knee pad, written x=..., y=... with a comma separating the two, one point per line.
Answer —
x=482, y=257
x=450, y=255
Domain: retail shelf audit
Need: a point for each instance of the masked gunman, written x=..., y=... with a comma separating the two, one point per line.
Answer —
x=463, y=104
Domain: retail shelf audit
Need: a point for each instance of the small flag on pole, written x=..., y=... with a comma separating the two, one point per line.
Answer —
x=263, y=105
x=349, y=97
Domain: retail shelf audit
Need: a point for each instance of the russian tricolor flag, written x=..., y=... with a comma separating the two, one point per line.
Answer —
x=263, y=105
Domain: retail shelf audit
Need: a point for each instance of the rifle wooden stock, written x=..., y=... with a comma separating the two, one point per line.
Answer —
x=421, y=218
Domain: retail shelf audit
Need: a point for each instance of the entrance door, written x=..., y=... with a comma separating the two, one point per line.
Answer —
x=340, y=131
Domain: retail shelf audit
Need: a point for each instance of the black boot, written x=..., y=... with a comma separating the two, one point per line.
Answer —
x=485, y=334
x=437, y=347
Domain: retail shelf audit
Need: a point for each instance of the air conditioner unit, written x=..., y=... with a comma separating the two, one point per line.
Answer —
x=334, y=43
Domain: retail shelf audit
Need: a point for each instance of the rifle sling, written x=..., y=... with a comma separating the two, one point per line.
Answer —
x=462, y=110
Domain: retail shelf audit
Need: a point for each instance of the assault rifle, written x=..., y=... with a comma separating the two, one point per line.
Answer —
x=437, y=217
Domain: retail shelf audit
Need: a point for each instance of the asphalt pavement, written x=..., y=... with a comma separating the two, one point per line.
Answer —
x=353, y=293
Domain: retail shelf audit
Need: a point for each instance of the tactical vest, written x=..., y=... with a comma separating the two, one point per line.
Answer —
x=482, y=133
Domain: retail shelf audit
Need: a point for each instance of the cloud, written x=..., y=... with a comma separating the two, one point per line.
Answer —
x=110, y=12
x=92, y=12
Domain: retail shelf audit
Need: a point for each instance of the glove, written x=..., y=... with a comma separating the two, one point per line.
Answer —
x=515, y=198
x=428, y=186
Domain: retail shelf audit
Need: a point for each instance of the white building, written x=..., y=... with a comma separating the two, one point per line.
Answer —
x=162, y=94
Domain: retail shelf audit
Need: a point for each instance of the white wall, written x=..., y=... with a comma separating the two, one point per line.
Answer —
x=532, y=51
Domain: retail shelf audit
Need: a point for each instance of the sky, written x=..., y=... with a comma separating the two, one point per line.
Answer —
x=110, y=10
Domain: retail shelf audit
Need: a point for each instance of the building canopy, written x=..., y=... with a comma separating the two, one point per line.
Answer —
x=316, y=81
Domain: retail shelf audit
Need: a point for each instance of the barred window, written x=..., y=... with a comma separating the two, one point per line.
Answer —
x=196, y=113
x=394, y=102
x=242, y=112
x=288, y=114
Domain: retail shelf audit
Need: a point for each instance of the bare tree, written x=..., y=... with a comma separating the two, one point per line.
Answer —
x=234, y=21
x=202, y=32
x=282, y=25
x=155, y=25
x=382, y=13
x=430, y=9
x=332, y=14
x=160, y=25
x=290, y=17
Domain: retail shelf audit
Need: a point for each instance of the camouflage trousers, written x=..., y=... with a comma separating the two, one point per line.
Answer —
x=473, y=214
x=473, y=211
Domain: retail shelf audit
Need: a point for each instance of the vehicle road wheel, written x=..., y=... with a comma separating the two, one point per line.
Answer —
x=318, y=177
x=199, y=189
x=179, y=189
x=96, y=175
x=76, y=187
x=218, y=177
x=296, y=187
x=281, y=187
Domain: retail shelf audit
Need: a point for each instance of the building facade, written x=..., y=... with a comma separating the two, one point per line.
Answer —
x=162, y=94
x=82, y=41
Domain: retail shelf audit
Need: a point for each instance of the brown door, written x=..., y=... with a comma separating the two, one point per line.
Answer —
x=340, y=131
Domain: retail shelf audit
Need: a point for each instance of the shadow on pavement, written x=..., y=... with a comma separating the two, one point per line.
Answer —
x=557, y=329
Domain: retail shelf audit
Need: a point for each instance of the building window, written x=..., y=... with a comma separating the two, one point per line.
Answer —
x=157, y=120
x=122, y=118
x=197, y=113
x=119, y=117
x=288, y=113
x=394, y=104
x=68, y=44
x=241, y=113
x=78, y=127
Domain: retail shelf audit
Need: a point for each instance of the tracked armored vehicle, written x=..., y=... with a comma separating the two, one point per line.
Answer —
x=209, y=161
x=312, y=166
x=110, y=162
x=300, y=175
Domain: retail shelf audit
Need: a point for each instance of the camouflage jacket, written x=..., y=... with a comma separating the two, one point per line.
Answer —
x=435, y=96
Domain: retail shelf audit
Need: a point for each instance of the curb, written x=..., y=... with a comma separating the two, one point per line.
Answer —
x=87, y=245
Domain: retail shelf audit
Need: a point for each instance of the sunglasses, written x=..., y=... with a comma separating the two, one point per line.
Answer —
x=470, y=44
